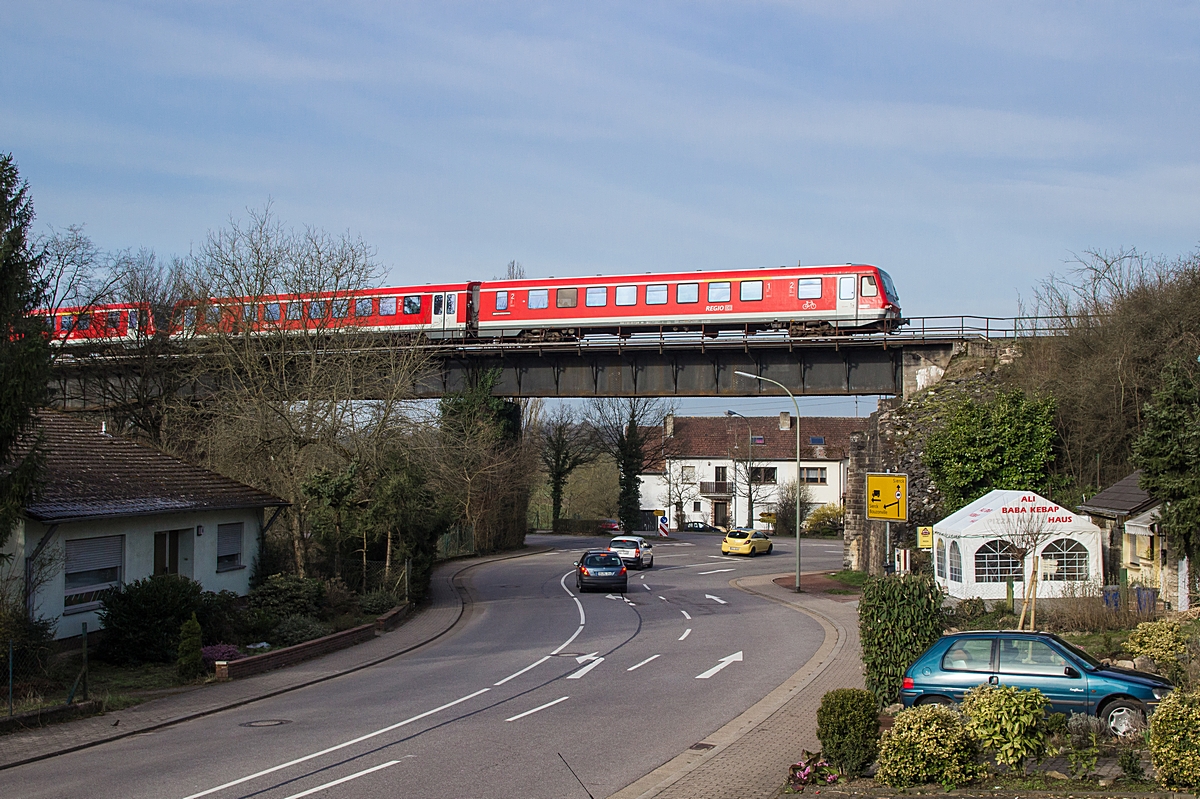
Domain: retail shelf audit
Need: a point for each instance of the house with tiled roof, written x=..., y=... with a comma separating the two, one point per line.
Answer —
x=727, y=470
x=111, y=510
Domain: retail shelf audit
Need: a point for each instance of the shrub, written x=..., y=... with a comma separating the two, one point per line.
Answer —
x=848, y=728
x=1056, y=724
x=1008, y=722
x=339, y=599
x=898, y=619
x=222, y=617
x=1165, y=643
x=812, y=769
x=142, y=619
x=969, y=610
x=31, y=640
x=283, y=595
x=826, y=520
x=1130, y=761
x=190, y=664
x=1085, y=731
x=298, y=629
x=378, y=602
x=225, y=652
x=1175, y=740
x=928, y=744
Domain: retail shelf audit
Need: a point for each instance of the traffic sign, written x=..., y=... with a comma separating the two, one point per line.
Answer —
x=766, y=518
x=887, y=497
x=924, y=538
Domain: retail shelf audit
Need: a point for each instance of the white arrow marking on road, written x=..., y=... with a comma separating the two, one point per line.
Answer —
x=736, y=657
x=686, y=633
x=716, y=571
x=643, y=663
x=586, y=658
x=585, y=669
x=540, y=707
x=613, y=596
x=686, y=615
x=716, y=599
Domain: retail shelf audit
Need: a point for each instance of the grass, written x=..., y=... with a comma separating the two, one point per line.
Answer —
x=850, y=578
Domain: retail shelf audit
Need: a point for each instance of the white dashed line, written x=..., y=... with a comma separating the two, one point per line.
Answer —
x=355, y=776
x=643, y=663
x=686, y=615
x=686, y=633
x=540, y=707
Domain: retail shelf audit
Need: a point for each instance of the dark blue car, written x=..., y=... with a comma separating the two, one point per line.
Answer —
x=1072, y=680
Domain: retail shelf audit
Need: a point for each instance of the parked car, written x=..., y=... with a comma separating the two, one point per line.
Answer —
x=1071, y=679
x=634, y=550
x=746, y=542
x=599, y=568
x=608, y=526
x=701, y=527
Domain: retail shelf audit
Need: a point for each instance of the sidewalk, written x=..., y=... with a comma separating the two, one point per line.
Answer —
x=433, y=619
x=751, y=754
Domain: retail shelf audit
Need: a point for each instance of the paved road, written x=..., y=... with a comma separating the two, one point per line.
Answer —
x=533, y=676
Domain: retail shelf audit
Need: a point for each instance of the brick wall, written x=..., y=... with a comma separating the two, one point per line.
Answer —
x=236, y=669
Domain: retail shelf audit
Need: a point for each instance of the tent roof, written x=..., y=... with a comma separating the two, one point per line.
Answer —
x=997, y=511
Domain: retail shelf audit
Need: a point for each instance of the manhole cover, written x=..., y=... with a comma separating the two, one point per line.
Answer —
x=700, y=747
x=265, y=723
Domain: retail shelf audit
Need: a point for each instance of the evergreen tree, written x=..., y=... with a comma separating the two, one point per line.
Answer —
x=24, y=347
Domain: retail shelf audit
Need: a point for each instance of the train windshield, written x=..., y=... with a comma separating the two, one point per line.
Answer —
x=889, y=287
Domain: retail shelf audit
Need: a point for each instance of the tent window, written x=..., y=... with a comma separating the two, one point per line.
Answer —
x=996, y=562
x=955, y=563
x=941, y=558
x=1071, y=557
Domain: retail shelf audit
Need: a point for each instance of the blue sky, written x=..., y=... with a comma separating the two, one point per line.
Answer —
x=968, y=148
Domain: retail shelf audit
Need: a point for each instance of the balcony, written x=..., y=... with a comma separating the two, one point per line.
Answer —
x=724, y=488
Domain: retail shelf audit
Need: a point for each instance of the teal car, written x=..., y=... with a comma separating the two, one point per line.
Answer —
x=1071, y=679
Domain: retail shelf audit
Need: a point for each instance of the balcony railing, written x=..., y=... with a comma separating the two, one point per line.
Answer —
x=723, y=488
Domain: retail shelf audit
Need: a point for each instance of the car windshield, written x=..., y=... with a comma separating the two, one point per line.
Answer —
x=623, y=543
x=1079, y=653
x=601, y=560
x=739, y=534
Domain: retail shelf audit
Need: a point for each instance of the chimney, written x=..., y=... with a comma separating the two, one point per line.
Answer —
x=785, y=420
x=669, y=424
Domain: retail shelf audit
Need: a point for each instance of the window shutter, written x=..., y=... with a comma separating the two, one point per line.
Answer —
x=229, y=539
x=90, y=554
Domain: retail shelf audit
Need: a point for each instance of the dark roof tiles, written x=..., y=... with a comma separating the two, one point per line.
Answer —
x=1122, y=498
x=728, y=436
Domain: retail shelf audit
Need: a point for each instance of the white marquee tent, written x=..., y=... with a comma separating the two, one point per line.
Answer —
x=973, y=555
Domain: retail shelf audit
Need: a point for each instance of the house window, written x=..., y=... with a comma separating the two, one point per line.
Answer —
x=656, y=294
x=566, y=298
x=808, y=288
x=718, y=292
x=763, y=474
x=816, y=475
x=816, y=441
x=412, y=304
x=501, y=300
x=362, y=307
x=686, y=292
x=539, y=298
x=696, y=507
x=688, y=474
x=229, y=546
x=597, y=296
x=750, y=290
x=955, y=562
x=387, y=306
x=1071, y=557
x=93, y=565
x=627, y=295
x=996, y=562
x=941, y=558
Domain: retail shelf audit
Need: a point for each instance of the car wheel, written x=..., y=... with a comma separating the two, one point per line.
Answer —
x=936, y=699
x=650, y=565
x=1121, y=715
x=770, y=548
x=753, y=551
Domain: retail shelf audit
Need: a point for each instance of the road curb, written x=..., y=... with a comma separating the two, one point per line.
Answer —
x=682, y=764
x=452, y=579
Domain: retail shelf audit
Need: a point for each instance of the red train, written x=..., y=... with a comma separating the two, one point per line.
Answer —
x=808, y=300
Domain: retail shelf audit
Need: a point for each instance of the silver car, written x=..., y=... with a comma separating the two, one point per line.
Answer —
x=634, y=550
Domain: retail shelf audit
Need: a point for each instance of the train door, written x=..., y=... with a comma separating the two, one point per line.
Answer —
x=847, y=299
x=437, y=328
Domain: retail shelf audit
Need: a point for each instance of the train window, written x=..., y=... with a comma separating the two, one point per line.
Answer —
x=133, y=320
x=539, y=298
x=387, y=306
x=249, y=313
x=112, y=320
x=295, y=310
x=501, y=300
x=362, y=307
x=718, y=292
x=656, y=294
x=450, y=304
x=686, y=292
x=341, y=309
x=751, y=290
x=316, y=310
x=869, y=289
x=597, y=296
x=808, y=288
x=412, y=304
x=83, y=321
x=627, y=295
x=846, y=287
x=437, y=304
x=271, y=312
x=189, y=317
x=50, y=323
x=566, y=298
x=212, y=316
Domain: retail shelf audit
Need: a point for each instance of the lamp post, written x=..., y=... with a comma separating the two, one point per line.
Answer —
x=799, y=476
x=749, y=466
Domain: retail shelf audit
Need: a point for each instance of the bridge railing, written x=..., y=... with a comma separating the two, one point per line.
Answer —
x=988, y=327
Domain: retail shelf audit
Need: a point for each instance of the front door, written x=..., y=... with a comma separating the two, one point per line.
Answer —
x=721, y=514
x=1030, y=663
x=166, y=552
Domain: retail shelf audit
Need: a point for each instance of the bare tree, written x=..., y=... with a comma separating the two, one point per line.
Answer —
x=565, y=445
x=514, y=271
x=1024, y=534
x=682, y=487
x=624, y=429
x=791, y=493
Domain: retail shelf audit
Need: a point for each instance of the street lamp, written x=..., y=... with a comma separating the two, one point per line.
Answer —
x=749, y=466
x=799, y=476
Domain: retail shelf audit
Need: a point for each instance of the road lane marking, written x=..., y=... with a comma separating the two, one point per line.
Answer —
x=663, y=598
x=522, y=671
x=337, y=747
x=686, y=615
x=539, y=707
x=736, y=657
x=643, y=663
x=716, y=599
x=577, y=675
x=364, y=773
x=686, y=633
x=721, y=557
x=563, y=583
x=568, y=641
x=586, y=658
x=717, y=571
x=641, y=577
x=645, y=586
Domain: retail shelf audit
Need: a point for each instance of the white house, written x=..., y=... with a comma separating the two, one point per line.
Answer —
x=726, y=470
x=974, y=556
x=111, y=511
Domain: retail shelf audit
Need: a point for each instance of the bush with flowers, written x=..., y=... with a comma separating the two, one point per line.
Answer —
x=811, y=769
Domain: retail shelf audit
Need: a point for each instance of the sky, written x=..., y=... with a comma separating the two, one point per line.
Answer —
x=970, y=149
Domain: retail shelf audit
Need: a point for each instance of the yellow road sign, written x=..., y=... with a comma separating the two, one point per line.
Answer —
x=887, y=497
x=924, y=538
x=767, y=518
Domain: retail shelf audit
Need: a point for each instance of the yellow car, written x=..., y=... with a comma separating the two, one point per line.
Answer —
x=746, y=542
